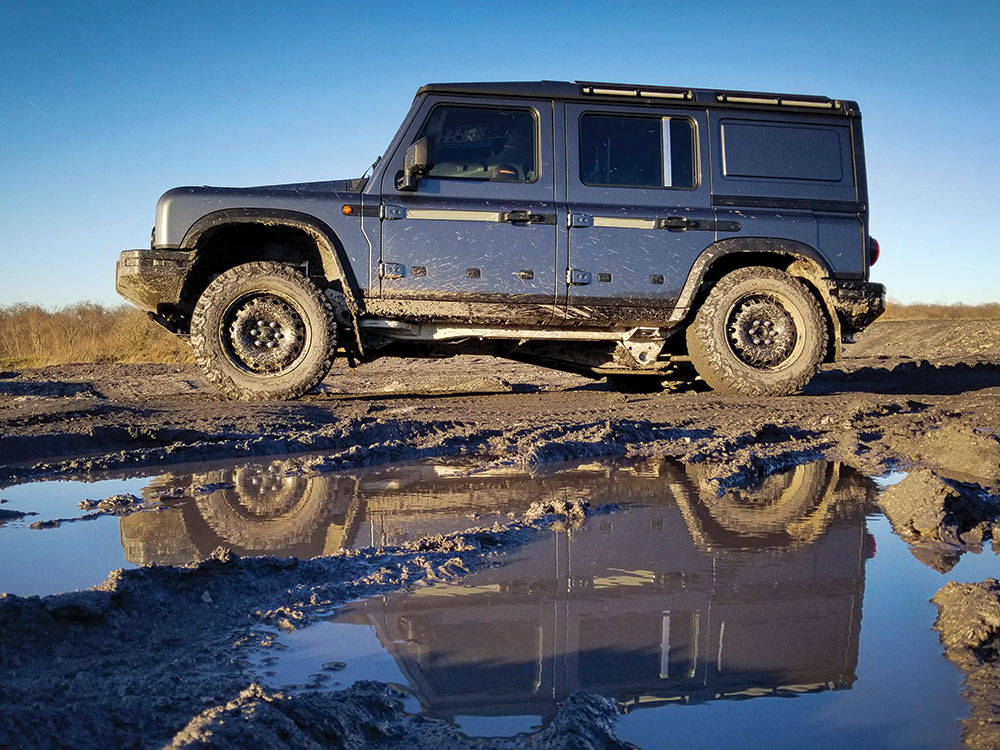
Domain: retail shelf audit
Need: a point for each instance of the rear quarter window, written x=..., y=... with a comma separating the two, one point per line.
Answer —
x=781, y=151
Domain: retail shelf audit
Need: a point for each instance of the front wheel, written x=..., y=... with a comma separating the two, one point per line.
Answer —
x=263, y=331
x=760, y=332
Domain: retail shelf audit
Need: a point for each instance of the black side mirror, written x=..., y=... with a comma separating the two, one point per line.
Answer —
x=419, y=161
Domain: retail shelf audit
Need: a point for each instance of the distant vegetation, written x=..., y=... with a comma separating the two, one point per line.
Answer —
x=920, y=311
x=31, y=336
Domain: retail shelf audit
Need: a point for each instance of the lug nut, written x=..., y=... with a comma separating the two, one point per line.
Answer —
x=273, y=324
x=258, y=342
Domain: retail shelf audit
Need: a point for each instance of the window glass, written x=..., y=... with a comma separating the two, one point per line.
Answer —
x=781, y=151
x=482, y=143
x=622, y=151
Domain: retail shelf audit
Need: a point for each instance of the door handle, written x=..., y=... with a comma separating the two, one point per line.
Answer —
x=681, y=223
x=678, y=223
x=526, y=217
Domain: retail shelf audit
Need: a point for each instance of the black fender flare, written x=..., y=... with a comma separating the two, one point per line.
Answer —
x=331, y=250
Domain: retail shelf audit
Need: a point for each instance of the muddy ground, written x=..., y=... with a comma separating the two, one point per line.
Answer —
x=908, y=395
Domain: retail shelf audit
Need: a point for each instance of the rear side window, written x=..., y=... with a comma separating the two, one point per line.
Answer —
x=649, y=152
x=482, y=143
x=782, y=151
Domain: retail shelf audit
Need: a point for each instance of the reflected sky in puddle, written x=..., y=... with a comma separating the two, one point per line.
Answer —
x=682, y=606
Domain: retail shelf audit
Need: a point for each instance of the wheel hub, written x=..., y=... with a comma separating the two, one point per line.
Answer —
x=266, y=333
x=761, y=332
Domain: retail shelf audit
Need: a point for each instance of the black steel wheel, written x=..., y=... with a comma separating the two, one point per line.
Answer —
x=759, y=332
x=263, y=331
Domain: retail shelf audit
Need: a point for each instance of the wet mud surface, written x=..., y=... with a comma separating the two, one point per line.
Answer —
x=166, y=650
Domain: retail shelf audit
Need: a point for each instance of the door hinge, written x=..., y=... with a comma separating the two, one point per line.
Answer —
x=391, y=270
x=392, y=212
x=576, y=277
x=579, y=220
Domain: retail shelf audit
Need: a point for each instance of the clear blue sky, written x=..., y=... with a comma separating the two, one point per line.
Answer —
x=105, y=105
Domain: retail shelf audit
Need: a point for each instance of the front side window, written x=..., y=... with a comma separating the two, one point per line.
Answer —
x=482, y=143
x=648, y=152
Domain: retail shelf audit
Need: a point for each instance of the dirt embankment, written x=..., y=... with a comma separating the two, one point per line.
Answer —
x=969, y=624
x=895, y=399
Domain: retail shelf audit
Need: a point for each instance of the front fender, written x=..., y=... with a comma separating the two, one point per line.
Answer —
x=331, y=249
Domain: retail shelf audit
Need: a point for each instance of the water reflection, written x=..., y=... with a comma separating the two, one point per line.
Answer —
x=683, y=596
x=275, y=509
x=690, y=597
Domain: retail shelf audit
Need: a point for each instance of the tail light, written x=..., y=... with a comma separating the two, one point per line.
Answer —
x=873, y=251
x=870, y=546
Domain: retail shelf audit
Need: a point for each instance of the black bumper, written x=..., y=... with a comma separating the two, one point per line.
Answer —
x=153, y=280
x=858, y=303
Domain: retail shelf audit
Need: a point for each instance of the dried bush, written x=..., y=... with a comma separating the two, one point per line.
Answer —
x=31, y=336
x=958, y=311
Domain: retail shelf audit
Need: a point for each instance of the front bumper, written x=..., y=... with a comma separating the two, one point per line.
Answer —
x=153, y=280
x=858, y=303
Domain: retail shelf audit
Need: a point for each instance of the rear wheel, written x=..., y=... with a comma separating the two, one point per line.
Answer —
x=760, y=332
x=263, y=331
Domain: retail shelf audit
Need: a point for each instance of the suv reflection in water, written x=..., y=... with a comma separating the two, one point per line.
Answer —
x=683, y=595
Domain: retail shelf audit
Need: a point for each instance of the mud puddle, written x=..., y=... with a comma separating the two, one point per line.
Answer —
x=680, y=606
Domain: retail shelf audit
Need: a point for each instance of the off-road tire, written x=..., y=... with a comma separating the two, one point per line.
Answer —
x=759, y=332
x=283, y=359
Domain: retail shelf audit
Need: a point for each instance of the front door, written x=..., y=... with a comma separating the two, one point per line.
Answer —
x=639, y=209
x=476, y=239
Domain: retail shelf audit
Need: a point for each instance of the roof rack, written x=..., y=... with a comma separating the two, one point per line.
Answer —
x=777, y=100
x=640, y=92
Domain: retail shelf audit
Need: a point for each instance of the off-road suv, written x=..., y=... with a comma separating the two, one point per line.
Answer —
x=620, y=231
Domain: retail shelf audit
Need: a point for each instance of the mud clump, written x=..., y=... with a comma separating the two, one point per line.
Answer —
x=572, y=513
x=940, y=517
x=116, y=505
x=12, y=515
x=969, y=625
x=959, y=450
x=369, y=714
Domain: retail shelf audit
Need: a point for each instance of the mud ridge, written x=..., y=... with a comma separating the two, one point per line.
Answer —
x=969, y=625
x=133, y=661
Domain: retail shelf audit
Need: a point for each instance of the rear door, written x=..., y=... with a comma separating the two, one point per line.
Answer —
x=476, y=240
x=640, y=211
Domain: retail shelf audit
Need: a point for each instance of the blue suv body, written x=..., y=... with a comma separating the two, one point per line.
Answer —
x=633, y=232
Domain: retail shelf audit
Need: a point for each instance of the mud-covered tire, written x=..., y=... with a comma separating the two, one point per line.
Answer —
x=263, y=331
x=759, y=332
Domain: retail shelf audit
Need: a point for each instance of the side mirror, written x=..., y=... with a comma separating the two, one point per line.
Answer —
x=419, y=161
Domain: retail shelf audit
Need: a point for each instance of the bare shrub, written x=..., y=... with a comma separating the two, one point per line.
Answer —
x=31, y=336
x=958, y=311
